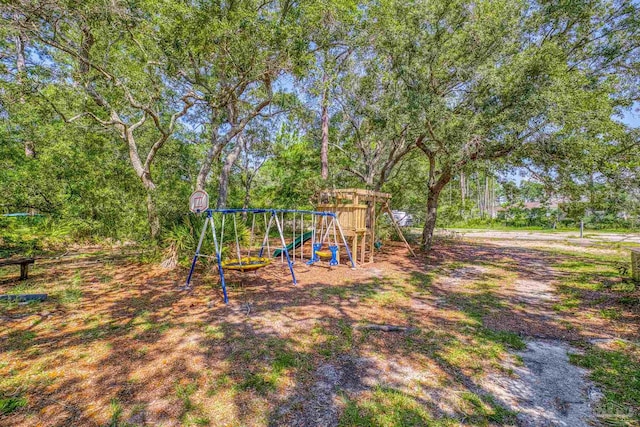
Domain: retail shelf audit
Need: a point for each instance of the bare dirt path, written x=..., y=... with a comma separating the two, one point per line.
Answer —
x=540, y=236
x=545, y=389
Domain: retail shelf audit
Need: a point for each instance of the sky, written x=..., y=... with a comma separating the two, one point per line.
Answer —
x=632, y=116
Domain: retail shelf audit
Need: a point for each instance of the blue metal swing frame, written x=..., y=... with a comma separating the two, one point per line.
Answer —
x=274, y=215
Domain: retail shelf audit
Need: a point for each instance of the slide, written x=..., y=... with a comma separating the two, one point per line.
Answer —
x=299, y=240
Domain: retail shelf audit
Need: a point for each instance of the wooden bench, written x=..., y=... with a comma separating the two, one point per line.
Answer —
x=23, y=262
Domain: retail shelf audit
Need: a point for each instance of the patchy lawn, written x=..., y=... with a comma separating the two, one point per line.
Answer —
x=118, y=343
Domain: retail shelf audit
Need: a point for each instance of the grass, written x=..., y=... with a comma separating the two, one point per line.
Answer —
x=617, y=372
x=258, y=382
x=284, y=360
x=593, y=280
x=116, y=413
x=184, y=393
x=509, y=339
x=9, y=404
x=358, y=291
x=333, y=339
x=592, y=284
x=72, y=293
x=389, y=298
x=539, y=228
x=121, y=333
x=420, y=280
x=387, y=407
x=146, y=326
x=610, y=313
x=20, y=340
x=214, y=332
x=265, y=378
x=192, y=412
x=476, y=305
x=483, y=410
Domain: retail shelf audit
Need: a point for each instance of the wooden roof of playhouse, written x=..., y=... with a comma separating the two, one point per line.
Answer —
x=356, y=195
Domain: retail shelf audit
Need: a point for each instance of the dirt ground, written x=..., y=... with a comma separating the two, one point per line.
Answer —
x=118, y=342
x=572, y=237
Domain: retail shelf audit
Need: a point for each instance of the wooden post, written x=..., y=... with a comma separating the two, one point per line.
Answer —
x=635, y=264
x=355, y=247
x=373, y=230
x=24, y=270
x=581, y=228
x=398, y=230
x=363, y=246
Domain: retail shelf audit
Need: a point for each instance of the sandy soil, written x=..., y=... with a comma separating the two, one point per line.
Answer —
x=278, y=354
x=572, y=237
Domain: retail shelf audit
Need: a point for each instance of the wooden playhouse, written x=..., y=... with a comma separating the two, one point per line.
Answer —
x=358, y=211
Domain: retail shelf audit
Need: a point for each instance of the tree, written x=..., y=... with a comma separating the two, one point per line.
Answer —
x=257, y=151
x=106, y=54
x=232, y=55
x=333, y=34
x=504, y=80
x=372, y=131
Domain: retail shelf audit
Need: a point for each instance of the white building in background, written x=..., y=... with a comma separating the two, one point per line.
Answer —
x=402, y=218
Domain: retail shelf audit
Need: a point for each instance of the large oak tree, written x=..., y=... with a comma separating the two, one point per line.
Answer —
x=508, y=80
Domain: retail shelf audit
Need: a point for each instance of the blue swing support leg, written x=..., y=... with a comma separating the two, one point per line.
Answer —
x=314, y=257
x=334, y=255
x=314, y=246
x=344, y=241
x=195, y=257
x=207, y=221
x=284, y=247
x=218, y=249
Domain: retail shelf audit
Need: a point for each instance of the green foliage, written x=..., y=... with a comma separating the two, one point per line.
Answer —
x=618, y=372
x=292, y=176
x=418, y=93
x=387, y=407
x=11, y=403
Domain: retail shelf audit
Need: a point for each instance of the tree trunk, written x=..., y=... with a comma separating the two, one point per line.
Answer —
x=433, y=195
x=223, y=185
x=463, y=189
x=478, y=197
x=29, y=146
x=369, y=179
x=493, y=198
x=247, y=196
x=435, y=187
x=486, y=196
x=324, y=149
x=152, y=215
x=212, y=153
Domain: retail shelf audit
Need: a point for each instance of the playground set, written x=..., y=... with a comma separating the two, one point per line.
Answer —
x=358, y=211
x=324, y=232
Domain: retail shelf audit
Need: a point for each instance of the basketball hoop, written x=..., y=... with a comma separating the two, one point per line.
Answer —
x=199, y=201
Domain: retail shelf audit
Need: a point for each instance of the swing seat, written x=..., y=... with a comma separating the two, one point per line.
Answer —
x=324, y=255
x=246, y=263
